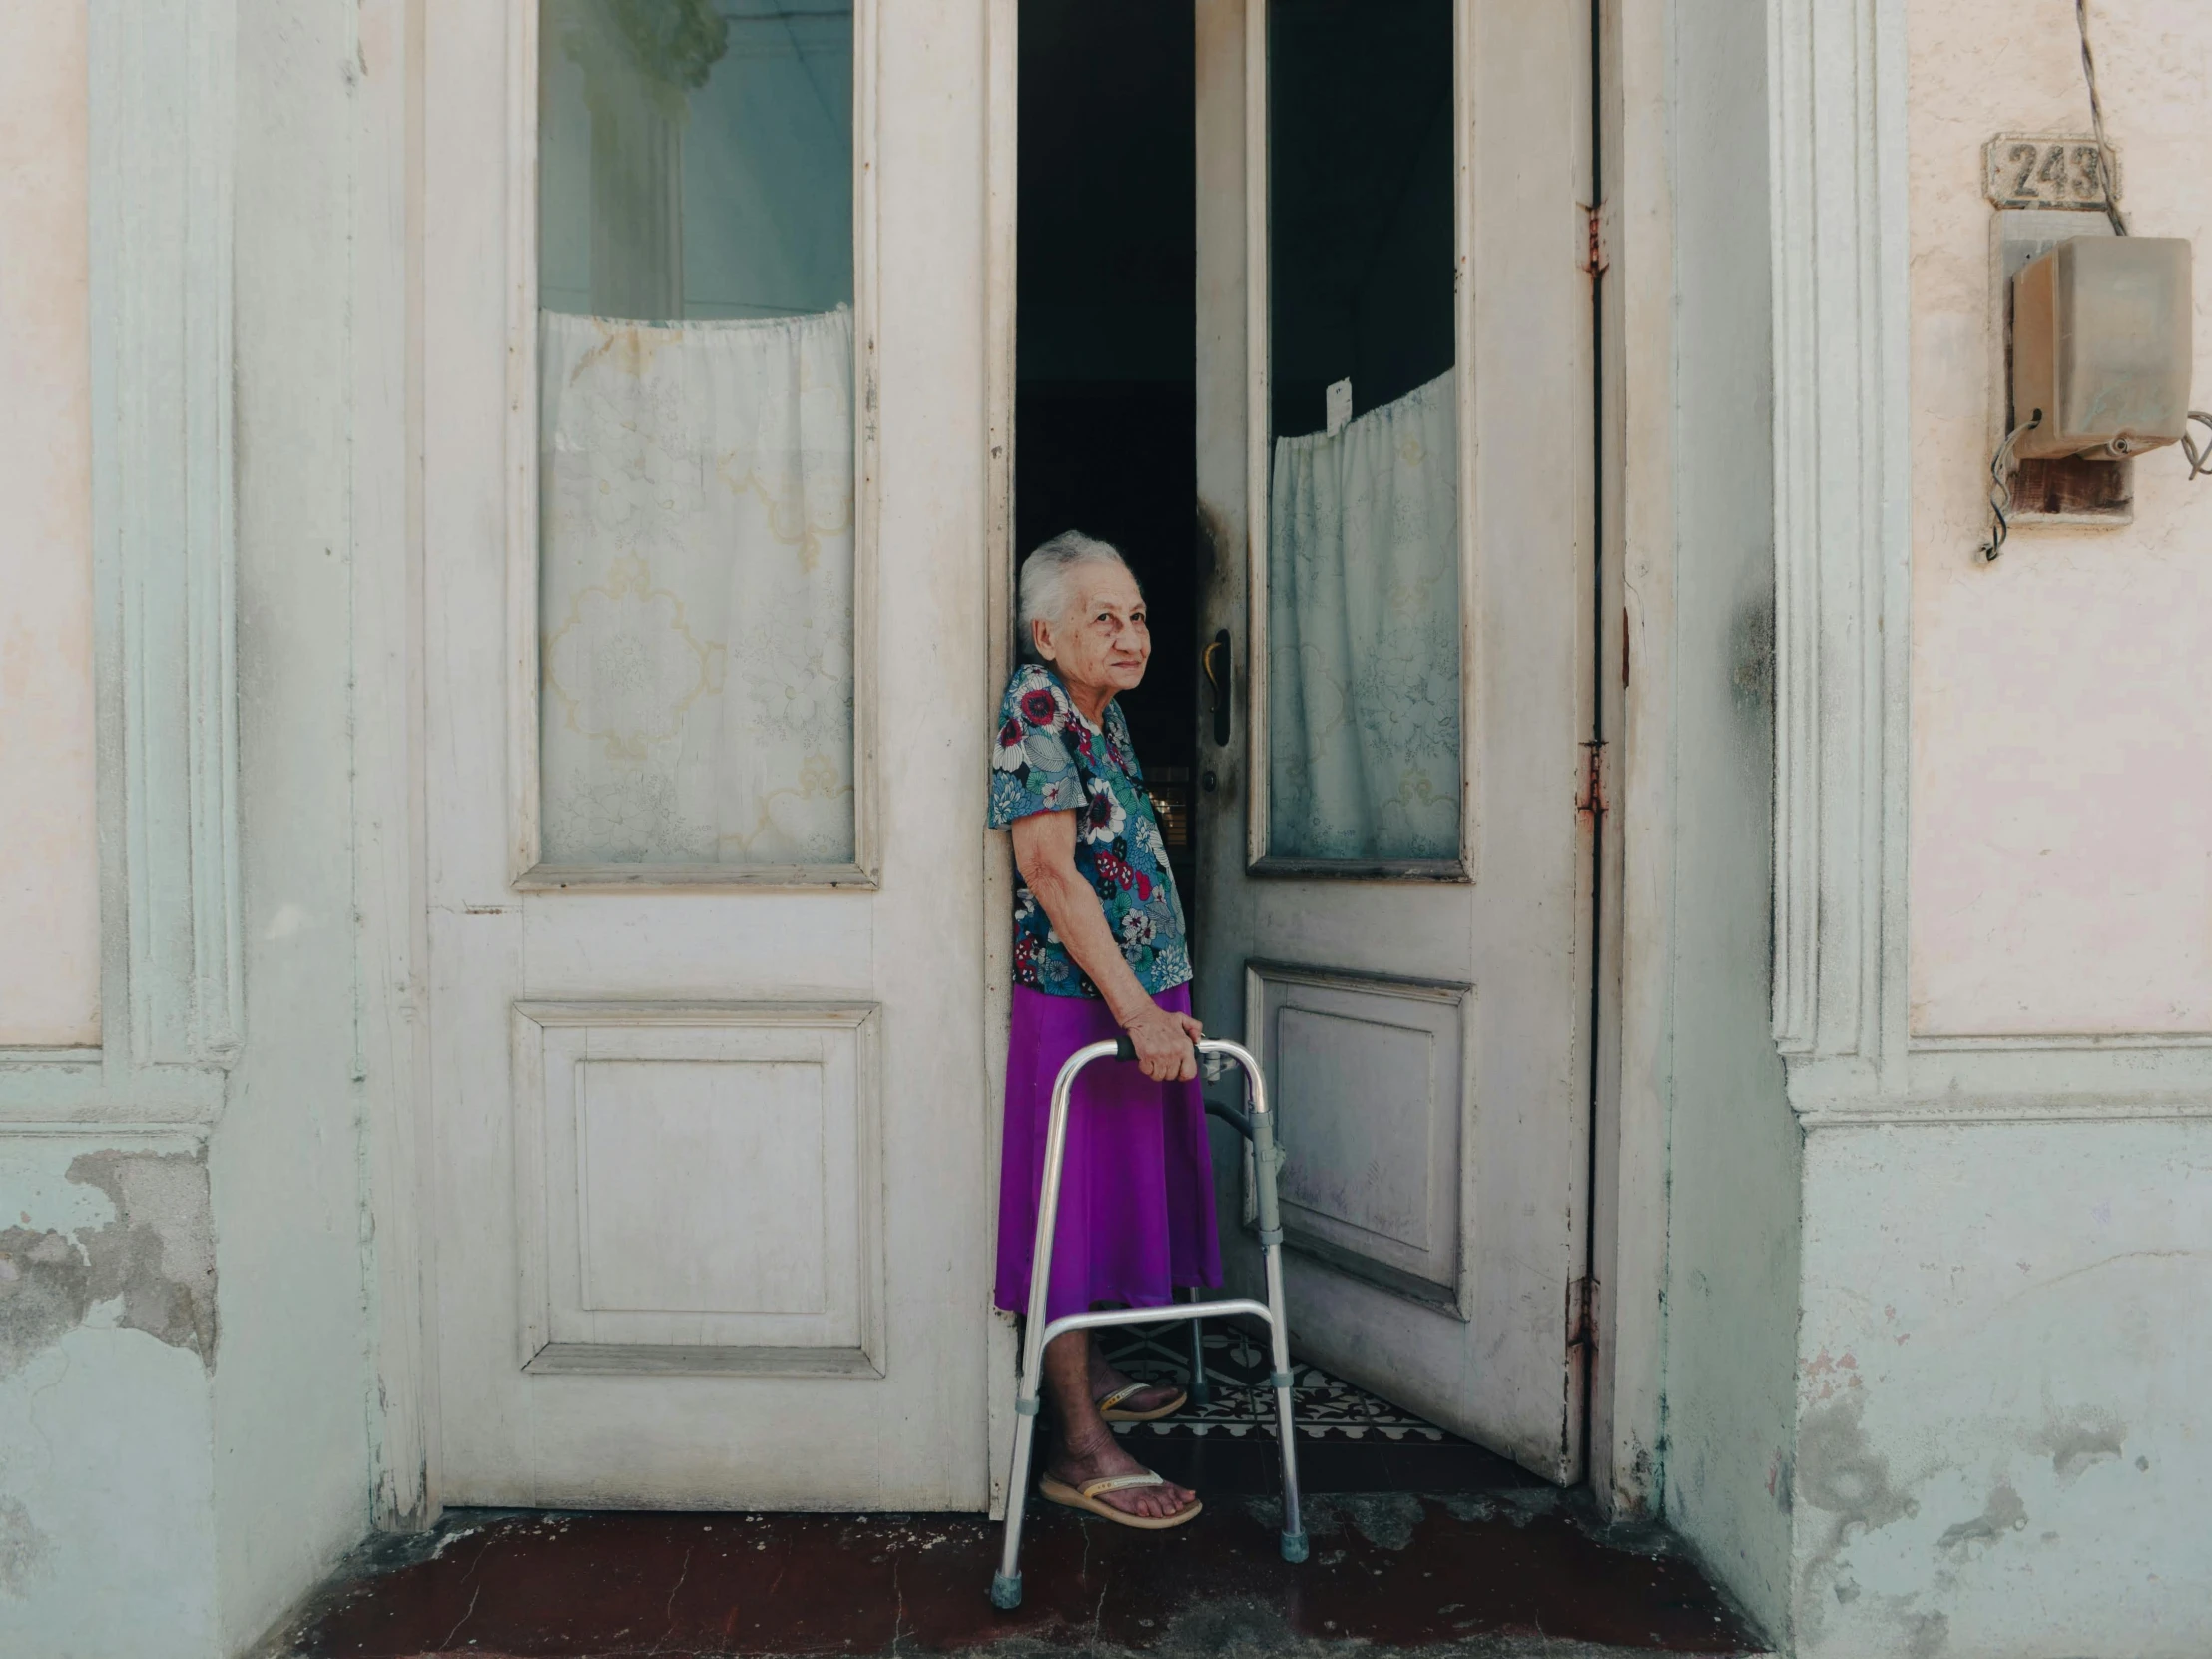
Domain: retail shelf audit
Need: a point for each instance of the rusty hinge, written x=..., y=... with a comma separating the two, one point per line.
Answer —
x=1583, y=1313
x=1595, y=794
x=1598, y=256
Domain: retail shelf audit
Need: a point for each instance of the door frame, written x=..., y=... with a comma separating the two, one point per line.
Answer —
x=1628, y=1206
x=1002, y=198
x=1628, y=1147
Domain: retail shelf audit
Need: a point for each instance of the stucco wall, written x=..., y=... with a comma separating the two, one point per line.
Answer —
x=184, y=1323
x=2003, y=1331
x=2002, y=1448
x=108, y=1323
x=48, y=859
x=2061, y=796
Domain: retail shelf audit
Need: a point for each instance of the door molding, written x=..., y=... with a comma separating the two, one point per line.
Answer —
x=161, y=81
x=526, y=870
x=1449, y=1293
x=1843, y=529
x=389, y=808
x=837, y=1038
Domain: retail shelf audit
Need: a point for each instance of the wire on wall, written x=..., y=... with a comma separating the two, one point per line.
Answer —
x=2000, y=489
x=2199, y=454
x=2096, y=120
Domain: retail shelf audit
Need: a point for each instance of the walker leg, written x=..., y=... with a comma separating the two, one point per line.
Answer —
x=1279, y=1323
x=1293, y=1523
x=1201, y=1394
x=1006, y=1586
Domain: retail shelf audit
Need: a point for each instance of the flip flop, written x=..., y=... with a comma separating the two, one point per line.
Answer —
x=1110, y=1407
x=1059, y=1491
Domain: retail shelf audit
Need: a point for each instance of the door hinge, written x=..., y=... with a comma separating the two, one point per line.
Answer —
x=1598, y=254
x=1595, y=795
x=1583, y=1313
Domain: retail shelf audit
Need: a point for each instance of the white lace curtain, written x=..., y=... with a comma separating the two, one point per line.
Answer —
x=1363, y=635
x=696, y=591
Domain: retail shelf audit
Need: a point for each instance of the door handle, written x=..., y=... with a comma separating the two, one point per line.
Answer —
x=1218, y=683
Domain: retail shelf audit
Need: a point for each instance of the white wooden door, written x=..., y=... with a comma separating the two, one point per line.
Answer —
x=1417, y=979
x=704, y=796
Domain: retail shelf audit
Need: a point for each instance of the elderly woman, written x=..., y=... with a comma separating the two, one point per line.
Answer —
x=1098, y=950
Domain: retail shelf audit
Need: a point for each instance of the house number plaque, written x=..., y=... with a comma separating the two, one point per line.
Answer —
x=2046, y=169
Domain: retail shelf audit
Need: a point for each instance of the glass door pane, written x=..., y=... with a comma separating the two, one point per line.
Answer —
x=696, y=432
x=1363, y=543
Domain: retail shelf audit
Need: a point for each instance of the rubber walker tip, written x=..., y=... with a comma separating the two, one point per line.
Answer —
x=1006, y=1590
x=1294, y=1547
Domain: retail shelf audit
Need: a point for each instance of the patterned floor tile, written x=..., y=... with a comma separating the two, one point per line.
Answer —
x=1241, y=1405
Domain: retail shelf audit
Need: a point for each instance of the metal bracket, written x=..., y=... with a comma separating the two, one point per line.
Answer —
x=1598, y=257
x=1592, y=798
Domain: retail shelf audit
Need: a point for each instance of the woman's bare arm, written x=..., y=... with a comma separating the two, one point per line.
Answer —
x=1044, y=850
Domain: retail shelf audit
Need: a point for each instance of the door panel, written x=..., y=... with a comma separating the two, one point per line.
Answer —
x=1422, y=1008
x=711, y=1215
x=1375, y=1191
x=700, y=1183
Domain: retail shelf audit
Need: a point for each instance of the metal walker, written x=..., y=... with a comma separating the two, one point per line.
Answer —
x=1256, y=1125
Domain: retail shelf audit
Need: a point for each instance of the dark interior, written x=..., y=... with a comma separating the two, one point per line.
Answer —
x=1360, y=170
x=1104, y=423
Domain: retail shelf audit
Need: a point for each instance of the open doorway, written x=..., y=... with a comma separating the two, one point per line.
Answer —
x=1107, y=294
x=1110, y=374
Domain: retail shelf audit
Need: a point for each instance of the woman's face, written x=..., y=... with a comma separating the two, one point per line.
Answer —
x=1103, y=642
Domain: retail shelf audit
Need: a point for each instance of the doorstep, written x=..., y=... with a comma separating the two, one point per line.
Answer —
x=1519, y=1571
x=1422, y=1544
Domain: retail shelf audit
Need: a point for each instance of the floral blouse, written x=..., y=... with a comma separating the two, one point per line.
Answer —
x=1049, y=758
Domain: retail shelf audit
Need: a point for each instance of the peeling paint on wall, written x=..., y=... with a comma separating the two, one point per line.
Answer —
x=155, y=1261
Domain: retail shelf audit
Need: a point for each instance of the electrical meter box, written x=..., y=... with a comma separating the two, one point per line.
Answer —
x=2102, y=346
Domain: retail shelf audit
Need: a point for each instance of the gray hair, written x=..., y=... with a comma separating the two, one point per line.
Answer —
x=1044, y=594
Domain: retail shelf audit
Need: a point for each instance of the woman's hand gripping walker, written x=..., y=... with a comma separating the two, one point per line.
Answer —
x=1256, y=1125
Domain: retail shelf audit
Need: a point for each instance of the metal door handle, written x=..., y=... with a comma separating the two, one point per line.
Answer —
x=1219, y=683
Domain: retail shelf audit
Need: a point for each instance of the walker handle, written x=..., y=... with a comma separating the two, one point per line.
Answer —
x=1125, y=1047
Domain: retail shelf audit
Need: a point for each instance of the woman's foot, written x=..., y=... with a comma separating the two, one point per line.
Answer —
x=1088, y=1452
x=1106, y=1381
x=1078, y=1466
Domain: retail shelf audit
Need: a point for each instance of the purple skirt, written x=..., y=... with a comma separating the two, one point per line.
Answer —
x=1137, y=1186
